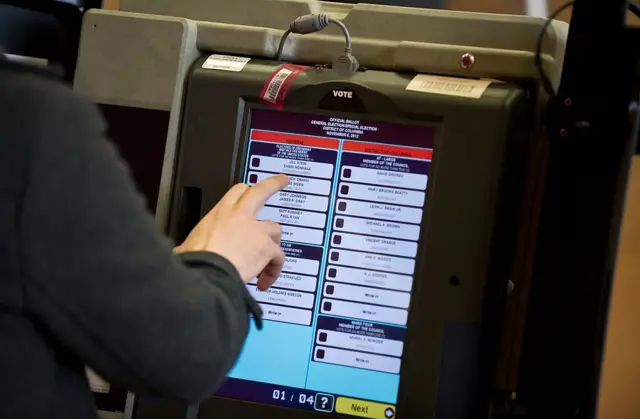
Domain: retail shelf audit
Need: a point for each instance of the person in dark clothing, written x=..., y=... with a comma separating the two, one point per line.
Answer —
x=87, y=280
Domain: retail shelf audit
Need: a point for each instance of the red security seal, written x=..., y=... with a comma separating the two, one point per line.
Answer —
x=277, y=85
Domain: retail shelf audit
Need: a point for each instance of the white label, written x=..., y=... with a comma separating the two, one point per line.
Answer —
x=225, y=63
x=450, y=86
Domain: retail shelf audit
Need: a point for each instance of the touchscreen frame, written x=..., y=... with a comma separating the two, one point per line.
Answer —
x=243, y=131
x=466, y=260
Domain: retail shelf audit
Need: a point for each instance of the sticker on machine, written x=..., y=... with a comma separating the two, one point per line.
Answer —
x=275, y=89
x=225, y=62
x=450, y=86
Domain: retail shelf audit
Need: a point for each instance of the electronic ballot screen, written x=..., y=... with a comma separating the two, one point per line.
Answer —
x=336, y=319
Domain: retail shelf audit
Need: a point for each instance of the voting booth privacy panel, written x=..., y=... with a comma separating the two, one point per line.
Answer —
x=408, y=217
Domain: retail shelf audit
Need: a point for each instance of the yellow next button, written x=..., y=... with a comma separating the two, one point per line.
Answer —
x=364, y=409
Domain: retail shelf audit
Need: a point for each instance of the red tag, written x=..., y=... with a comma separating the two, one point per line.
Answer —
x=277, y=85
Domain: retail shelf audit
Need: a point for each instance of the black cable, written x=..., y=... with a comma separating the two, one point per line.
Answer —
x=544, y=78
x=283, y=39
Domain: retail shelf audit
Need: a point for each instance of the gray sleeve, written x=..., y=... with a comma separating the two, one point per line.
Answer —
x=105, y=284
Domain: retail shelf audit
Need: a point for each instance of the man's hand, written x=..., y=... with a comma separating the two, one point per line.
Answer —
x=231, y=230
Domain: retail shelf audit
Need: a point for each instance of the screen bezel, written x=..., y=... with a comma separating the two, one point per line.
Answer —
x=243, y=128
x=462, y=241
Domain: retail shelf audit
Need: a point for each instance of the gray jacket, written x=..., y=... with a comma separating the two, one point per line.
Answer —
x=85, y=278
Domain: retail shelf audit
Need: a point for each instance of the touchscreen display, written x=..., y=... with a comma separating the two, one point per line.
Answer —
x=335, y=320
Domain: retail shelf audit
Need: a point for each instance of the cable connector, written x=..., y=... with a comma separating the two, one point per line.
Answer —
x=315, y=22
x=346, y=64
x=306, y=24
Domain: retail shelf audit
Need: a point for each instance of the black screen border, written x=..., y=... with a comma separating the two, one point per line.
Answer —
x=243, y=131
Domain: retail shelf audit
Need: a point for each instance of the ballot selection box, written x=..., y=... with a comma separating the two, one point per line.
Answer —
x=372, y=261
x=299, y=201
x=294, y=282
x=367, y=295
x=360, y=335
x=364, y=311
x=369, y=278
x=371, y=227
x=359, y=344
x=298, y=184
x=286, y=314
x=379, y=210
x=292, y=297
x=387, y=171
x=293, y=217
x=298, y=226
x=357, y=359
x=382, y=194
x=383, y=177
x=383, y=245
x=283, y=297
x=277, y=165
x=302, y=235
x=297, y=155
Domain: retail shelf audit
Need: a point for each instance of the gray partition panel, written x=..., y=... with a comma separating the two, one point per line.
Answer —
x=270, y=13
x=131, y=60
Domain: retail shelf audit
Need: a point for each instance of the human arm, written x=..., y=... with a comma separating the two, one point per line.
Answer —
x=102, y=282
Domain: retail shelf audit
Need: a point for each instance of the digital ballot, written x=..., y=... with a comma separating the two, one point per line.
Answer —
x=336, y=318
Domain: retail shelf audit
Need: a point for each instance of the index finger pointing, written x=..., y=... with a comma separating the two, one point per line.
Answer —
x=254, y=199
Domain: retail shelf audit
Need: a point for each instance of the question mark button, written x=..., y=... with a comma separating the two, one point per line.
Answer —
x=324, y=402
